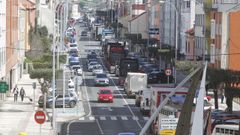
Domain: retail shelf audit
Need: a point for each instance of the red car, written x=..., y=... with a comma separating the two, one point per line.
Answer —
x=105, y=95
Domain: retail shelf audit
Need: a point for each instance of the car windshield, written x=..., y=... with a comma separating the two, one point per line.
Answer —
x=97, y=67
x=105, y=92
x=101, y=76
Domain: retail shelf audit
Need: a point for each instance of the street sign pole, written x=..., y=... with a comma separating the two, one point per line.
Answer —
x=40, y=129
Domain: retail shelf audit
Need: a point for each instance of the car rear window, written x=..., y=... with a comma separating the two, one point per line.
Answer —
x=105, y=92
x=101, y=76
x=73, y=45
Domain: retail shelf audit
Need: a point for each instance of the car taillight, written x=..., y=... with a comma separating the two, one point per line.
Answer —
x=110, y=97
x=100, y=97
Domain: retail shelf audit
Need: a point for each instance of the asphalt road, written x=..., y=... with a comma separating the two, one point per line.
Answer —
x=103, y=118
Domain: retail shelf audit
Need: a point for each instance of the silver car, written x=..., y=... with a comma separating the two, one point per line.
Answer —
x=97, y=69
x=101, y=79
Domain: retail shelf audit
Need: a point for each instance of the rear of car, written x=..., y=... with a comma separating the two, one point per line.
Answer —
x=101, y=80
x=105, y=95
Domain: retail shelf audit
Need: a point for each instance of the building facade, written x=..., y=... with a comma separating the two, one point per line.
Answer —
x=3, y=40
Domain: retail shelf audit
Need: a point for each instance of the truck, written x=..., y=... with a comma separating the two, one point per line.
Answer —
x=135, y=82
x=113, y=51
x=125, y=65
x=142, y=100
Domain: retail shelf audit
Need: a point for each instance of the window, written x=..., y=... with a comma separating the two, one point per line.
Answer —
x=188, y=4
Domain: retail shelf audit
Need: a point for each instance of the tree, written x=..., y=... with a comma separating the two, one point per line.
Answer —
x=231, y=81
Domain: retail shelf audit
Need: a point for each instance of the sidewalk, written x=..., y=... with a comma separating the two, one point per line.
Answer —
x=19, y=116
x=223, y=106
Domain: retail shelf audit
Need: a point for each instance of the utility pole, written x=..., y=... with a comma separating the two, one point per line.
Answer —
x=183, y=126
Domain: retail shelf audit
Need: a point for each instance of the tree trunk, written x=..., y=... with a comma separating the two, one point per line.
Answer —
x=215, y=98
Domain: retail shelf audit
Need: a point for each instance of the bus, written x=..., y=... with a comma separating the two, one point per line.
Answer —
x=226, y=129
x=126, y=65
x=113, y=52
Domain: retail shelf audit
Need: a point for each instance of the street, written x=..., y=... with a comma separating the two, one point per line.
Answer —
x=104, y=118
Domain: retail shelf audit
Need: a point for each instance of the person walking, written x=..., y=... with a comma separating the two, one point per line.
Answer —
x=15, y=92
x=22, y=93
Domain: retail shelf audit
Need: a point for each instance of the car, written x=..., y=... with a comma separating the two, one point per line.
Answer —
x=97, y=69
x=76, y=67
x=70, y=100
x=71, y=83
x=91, y=64
x=73, y=51
x=101, y=79
x=105, y=95
x=73, y=46
x=84, y=33
x=79, y=72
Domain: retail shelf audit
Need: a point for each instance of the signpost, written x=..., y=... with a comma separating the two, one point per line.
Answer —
x=168, y=72
x=3, y=87
x=168, y=126
x=40, y=118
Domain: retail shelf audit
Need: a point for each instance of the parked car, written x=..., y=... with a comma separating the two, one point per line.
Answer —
x=101, y=79
x=70, y=100
x=84, y=33
x=105, y=95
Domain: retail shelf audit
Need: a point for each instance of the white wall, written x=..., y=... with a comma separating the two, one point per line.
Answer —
x=139, y=25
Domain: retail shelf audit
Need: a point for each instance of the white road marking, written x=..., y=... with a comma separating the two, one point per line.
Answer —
x=139, y=125
x=135, y=118
x=113, y=118
x=99, y=127
x=102, y=118
x=146, y=118
x=91, y=118
x=124, y=118
x=82, y=118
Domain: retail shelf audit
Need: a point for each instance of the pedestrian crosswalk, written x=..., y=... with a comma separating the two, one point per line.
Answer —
x=114, y=118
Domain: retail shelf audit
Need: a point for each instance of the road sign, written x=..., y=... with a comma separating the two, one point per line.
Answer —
x=40, y=117
x=168, y=72
x=3, y=87
x=167, y=132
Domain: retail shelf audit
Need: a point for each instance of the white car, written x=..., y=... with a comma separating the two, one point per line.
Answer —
x=97, y=69
x=73, y=46
x=91, y=64
x=71, y=83
x=79, y=71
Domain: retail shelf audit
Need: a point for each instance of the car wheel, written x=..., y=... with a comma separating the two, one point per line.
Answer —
x=72, y=104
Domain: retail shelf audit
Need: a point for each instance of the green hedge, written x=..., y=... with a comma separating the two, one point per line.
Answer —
x=44, y=73
x=37, y=65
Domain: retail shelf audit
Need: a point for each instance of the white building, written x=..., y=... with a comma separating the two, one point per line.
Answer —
x=2, y=38
x=168, y=29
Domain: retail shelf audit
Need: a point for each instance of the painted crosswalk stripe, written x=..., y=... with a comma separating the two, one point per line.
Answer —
x=102, y=118
x=135, y=118
x=124, y=118
x=113, y=118
x=91, y=118
x=82, y=118
x=146, y=118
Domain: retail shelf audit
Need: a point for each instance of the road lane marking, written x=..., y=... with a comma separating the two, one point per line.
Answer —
x=85, y=89
x=91, y=118
x=113, y=118
x=146, y=118
x=99, y=127
x=135, y=118
x=124, y=118
x=102, y=118
x=82, y=118
x=116, y=87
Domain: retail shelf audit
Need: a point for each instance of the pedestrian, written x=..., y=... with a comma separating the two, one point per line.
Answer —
x=222, y=95
x=15, y=92
x=22, y=93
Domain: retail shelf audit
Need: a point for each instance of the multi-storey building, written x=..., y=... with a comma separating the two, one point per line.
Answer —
x=224, y=32
x=3, y=40
x=19, y=16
